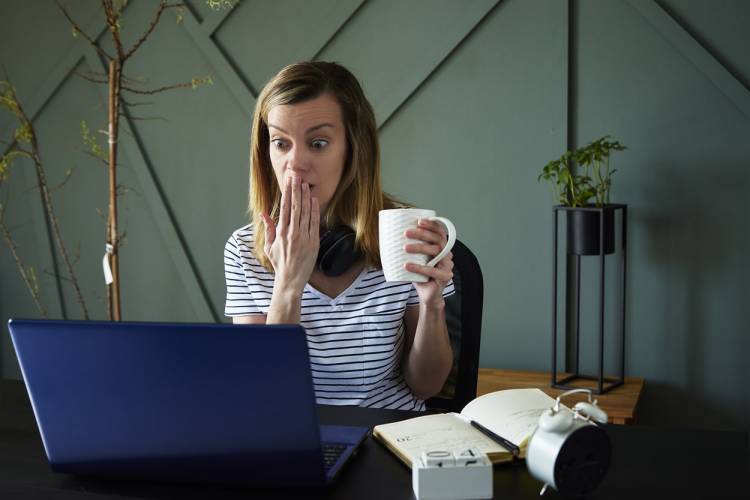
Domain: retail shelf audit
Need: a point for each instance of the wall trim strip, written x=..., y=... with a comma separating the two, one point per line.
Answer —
x=691, y=49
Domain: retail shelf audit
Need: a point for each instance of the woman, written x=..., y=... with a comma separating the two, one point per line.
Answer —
x=315, y=171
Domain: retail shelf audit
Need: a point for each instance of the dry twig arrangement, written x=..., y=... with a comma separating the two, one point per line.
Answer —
x=118, y=83
x=26, y=145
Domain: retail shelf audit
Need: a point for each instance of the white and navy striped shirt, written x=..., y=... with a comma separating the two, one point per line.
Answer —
x=355, y=340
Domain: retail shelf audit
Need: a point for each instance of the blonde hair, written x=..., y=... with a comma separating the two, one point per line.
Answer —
x=358, y=197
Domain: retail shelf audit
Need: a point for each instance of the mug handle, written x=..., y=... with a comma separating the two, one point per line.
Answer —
x=451, y=240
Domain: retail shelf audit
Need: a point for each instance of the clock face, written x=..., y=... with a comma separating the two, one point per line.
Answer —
x=582, y=461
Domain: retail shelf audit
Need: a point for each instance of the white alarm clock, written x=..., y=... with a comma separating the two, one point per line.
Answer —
x=569, y=450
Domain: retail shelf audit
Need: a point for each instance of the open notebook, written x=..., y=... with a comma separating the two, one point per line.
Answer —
x=512, y=414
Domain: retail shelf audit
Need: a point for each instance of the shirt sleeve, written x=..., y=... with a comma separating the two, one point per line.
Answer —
x=239, y=300
x=413, y=299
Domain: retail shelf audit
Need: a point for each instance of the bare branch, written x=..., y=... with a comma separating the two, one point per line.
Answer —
x=154, y=22
x=113, y=21
x=138, y=80
x=46, y=196
x=90, y=78
x=68, y=175
x=78, y=30
x=98, y=74
x=193, y=84
x=160, y=89
x=144, y=118
x=56, y=276
x=122, y=190
x=96, y=157
x=133, y=104
x=77, y=256
x=28, y=277
x=21, y=150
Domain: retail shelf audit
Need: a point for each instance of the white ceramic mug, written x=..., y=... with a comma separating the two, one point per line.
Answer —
x=393, y=223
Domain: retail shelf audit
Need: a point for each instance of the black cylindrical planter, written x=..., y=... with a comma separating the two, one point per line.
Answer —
x=583, y=231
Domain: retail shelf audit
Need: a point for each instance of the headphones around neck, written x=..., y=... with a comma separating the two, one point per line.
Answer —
x=338, y=251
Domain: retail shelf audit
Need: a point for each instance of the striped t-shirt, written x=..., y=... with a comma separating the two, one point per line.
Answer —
x=355, y=340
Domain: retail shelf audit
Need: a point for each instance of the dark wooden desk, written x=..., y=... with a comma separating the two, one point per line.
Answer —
x=647, y=462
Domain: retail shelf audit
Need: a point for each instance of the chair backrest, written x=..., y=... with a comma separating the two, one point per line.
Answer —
x=463, y=313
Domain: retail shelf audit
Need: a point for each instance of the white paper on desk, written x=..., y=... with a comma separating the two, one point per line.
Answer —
x=512, y=414
x=444, y=431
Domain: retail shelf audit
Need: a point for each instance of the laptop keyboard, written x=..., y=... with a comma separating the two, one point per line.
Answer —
x=331, y=454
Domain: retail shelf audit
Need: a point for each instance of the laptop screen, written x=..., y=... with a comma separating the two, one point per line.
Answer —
x=193, y=401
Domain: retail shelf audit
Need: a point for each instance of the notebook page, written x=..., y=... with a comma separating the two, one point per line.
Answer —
x=444, y=431
x=512, y=413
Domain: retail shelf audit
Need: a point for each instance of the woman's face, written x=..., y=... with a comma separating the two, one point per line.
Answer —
x=308, y=140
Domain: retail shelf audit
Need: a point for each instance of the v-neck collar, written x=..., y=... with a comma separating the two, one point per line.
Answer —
x=335, y=301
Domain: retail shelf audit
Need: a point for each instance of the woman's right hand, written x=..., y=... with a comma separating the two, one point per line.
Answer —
x=292, y=246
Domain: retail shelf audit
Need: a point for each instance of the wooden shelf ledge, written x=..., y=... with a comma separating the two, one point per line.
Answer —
x=620, y=403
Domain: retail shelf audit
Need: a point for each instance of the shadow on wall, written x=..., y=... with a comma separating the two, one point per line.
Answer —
x=696, y=239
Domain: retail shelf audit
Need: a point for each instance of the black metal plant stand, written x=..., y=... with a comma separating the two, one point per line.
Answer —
x=603, y=384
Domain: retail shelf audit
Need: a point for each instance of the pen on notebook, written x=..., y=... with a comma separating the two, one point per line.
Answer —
x=512, y=448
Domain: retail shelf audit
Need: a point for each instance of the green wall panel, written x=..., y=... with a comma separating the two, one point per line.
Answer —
x=280, y=33
x=683, y=177
x=470, y=143
x=721, y=27
x=393, y=46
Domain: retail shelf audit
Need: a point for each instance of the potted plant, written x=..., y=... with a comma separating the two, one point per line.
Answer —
x=591, y=182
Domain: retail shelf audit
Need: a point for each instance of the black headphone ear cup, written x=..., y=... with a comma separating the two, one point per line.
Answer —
x=338, y=251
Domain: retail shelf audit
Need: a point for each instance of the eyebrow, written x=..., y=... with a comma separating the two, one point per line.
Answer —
x=316, y=127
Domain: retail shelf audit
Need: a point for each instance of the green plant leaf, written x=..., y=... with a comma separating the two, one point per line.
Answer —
x=221, y=4
x=89, y=140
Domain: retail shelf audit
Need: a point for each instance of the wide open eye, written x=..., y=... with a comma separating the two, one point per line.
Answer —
x=279, y=144
x=319, y=143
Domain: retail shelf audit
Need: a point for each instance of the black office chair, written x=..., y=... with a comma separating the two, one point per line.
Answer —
x=463, y=313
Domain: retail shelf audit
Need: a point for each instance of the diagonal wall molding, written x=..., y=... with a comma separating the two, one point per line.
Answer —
x=344, y=11
x=420, y=73
x=201, y=35
x=215, y=19
x=692, y=50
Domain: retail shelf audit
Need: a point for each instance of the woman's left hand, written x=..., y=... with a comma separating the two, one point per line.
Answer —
x=433, y=239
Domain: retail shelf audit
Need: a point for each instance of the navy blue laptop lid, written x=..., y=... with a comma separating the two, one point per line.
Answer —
x=206, y=402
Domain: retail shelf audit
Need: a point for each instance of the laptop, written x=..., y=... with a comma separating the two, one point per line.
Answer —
x=166, y=401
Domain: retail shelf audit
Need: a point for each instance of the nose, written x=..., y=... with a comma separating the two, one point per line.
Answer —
x=297, y=160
